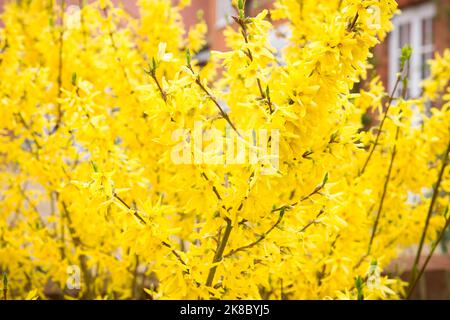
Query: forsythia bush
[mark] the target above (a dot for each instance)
(102, 175)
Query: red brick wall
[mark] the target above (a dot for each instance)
(441, 35)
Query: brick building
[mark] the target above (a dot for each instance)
(424, 24)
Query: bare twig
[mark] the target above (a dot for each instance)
(219, 253)
(352, 25)
(427, 260)
(82, 258)
(214, 189)
(260, 238)
(214, 100)
(264, 95)
(380, 127)
(430, 212)
(315, 191)
(5, 286)
(60, 69)
(135, 212)
(152, 74)
(34, 134)
(314, 221)
(383, 195)
(141, 219)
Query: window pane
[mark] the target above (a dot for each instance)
(404, 39)
(224, 10)
(404, 35)
(425, 68)
(427, 31)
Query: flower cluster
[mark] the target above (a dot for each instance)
(89, 102)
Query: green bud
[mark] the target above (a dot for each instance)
(325, 179)
(94, 166)
(188, 57)
(241, 4)
(405, 56)
(359, 287)
(74, 78)
(153, 68)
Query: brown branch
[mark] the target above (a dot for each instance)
(265, 234)
(214, 189)
(82, 258)
(309, 224)
(175, 253)
(81, 5)
(427, 260)
(141, 219)
(260, 238)
(315, 191)
(321, 274)
(5, 286)
(60, 68)
(214, 100)
(28, 127)
(135, 212)
(380, 128)
(119, 60)
(242, 23)
(152, 74)
(219, 253)
(385, 186)
(430, 210)
(352, 26)
(32, 205)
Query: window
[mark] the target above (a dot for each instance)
(414, 27)
(279, 39)
(224, 10)
(249, 5)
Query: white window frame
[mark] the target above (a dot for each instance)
(279, 38)
(414, 16)
(224, 9)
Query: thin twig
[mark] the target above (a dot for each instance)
(60, 68)
(260, 238)
(82, 258)
(214, 189)
(264, 96)
(135, 213)
(265, 234)
(290, 206)
(141, 219)
(385, 187)
(321, 274)
(153, 76)
(430, 211)
(314, 221)
(380, 127)
(427, 260)
(214, 100)
(32, 205)
(175, 253)
(219, 253)
(5, 286)
(81, 4)
(351, 27)
(28, 127)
